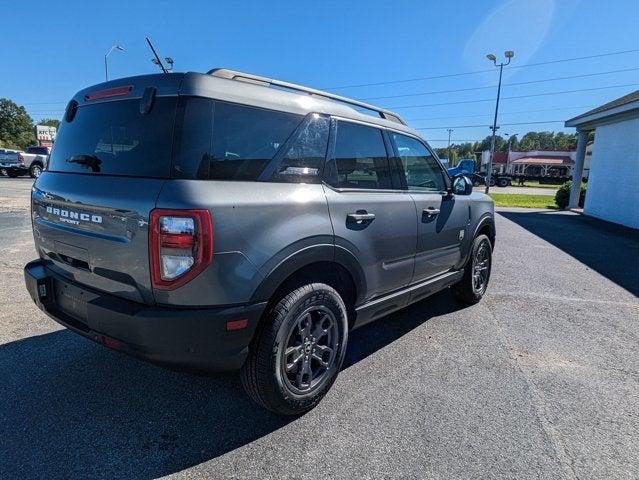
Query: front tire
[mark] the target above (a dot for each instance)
(298, 350)
(472, 287)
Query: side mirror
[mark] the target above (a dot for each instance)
(462, 185)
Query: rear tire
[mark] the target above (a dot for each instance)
(298, 351)
(35, 170)
(472, 287)
(503, 182)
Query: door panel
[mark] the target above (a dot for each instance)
(384, 245)
(373, 221)
(442, 218)
(440, 234)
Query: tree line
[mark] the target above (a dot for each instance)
(17, 130)
(559, 141)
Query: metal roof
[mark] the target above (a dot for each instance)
(623, 105)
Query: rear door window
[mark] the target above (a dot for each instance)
(360, 159)
(114, 138)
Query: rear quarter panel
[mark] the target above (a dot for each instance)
(257, 225)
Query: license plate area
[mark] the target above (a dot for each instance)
(71, 300)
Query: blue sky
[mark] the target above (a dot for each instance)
(50, 51)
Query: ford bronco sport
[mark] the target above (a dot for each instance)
(228, 221)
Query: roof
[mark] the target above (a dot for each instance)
(623, 105)
(238, 91)
(545, 160)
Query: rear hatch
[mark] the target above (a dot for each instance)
(111, 158)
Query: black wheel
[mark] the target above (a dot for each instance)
(298, 351)
(492, 182)
(476, 183)
(473, 285)
(35, 170)
(503, 182)
(13, 174)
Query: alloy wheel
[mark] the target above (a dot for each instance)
(481, 267)
(310, 349)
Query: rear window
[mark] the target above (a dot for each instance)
(114, 138)
(225, 141)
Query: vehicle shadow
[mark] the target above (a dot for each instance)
(70, 408)
(607, 248)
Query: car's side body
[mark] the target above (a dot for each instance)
(409, 243)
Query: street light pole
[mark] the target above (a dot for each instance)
(106, 65)
(450, 160)
(509, 54)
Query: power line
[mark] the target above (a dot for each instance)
(459, 74)
(484, 125)
(504, 113)
(503, 85)
(515, 96)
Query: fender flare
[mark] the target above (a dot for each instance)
(307, 256)
(486, 219)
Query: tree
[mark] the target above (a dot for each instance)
(16, 126)
(500, 144)
(50, 122)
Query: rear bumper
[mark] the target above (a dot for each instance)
(179, 337)
(14, 167)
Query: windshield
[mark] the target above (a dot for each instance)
(114, 138)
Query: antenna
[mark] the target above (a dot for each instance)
(156, 60)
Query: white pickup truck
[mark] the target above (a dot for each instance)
(16, 163)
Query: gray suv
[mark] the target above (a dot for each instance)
(226, 221)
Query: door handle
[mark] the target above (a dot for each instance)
(361, 216)
(430, 211)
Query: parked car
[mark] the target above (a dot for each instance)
(6, 156)
(33, 161)
(233, 222)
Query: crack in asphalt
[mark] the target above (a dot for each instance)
(537, 399)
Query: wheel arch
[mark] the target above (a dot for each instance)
(328, 264)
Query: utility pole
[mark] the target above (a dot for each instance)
(450, 160)
(509, 54)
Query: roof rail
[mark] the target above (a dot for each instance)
(267, 82)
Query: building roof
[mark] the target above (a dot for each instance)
(555, 160)
(623, 105)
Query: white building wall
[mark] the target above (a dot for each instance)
(613, 183)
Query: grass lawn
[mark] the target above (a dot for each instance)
(536, 185)
(523, 200)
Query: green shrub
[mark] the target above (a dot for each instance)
(562, 197)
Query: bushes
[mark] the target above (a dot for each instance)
(563, 195)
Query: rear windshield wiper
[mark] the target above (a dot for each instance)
(89, 161)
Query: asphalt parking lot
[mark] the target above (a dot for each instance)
(540, 380)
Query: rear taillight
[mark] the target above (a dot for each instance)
(181, 246)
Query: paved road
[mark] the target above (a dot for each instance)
(540, 380)
(14, 193)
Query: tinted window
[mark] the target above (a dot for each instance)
(245, 139)
(421, 168)
(360, 157)
(38, 150)
(114, 138)
(194, 133)
(304, 157)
